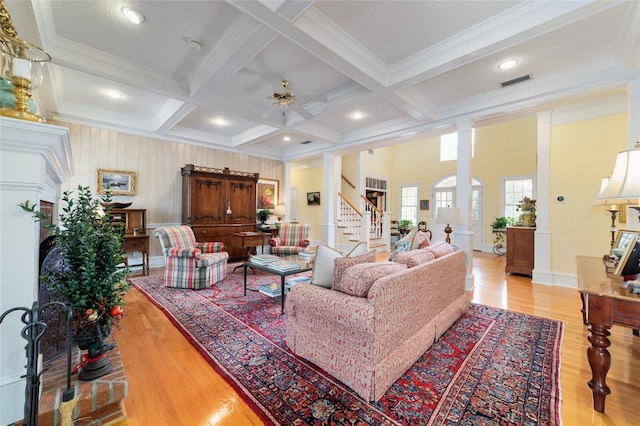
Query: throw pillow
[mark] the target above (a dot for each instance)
(420, 240)
(323, 266)
(341, 264)
(440, 248)
(415, 257)
(358, 279)
(402, 245)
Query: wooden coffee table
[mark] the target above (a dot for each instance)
(305, 265)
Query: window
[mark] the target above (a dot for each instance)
(449, 146)
(514, 190)
(409, 203)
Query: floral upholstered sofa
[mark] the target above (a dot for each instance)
(373, 324)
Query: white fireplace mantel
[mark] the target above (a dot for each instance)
(34, 160)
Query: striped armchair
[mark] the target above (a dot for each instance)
(292, 238)
(190, 264)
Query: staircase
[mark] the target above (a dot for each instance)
(368, 226)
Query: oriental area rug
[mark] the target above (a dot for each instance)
(492, 367)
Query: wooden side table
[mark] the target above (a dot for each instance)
(139, 243)
(248, 241)
(604, 303)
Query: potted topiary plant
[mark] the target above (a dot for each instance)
(263, 215)
(89, 280)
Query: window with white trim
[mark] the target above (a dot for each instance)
(514, 190)
(409, 203)
(449, 146)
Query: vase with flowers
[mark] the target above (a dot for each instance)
(528, 208)
(89, 280)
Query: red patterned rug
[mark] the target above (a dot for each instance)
(492, 367)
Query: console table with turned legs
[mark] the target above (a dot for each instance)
(604, 303)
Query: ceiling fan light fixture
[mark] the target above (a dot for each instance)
(132, 14)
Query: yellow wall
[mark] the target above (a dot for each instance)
(503, 150)
(581, 154)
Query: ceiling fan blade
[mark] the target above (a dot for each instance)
(311, 98)
(303, 112)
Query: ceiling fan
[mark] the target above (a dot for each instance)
(284, 98)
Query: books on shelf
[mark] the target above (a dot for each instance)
(264, 259)
(271, 290)
(284, 266)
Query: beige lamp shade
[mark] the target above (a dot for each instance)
(279, 210)
(623, 186)
(448, 215)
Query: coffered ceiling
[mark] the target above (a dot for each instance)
(413, 68)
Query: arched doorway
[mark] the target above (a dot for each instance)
(444, 195)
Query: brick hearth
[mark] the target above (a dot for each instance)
(101, 400)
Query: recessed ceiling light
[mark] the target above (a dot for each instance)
(508, 64)
(219, 121)
(113, 94)
(132, 14)
(286, 139)
(357, 115)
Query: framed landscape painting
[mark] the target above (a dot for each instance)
(120, 182)
(267, 194)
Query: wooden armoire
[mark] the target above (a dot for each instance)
(216, 203)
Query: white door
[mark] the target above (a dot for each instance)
(444, 195)
(293, 205)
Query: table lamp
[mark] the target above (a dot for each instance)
(448, 215)
(279, 211)
(623, 187)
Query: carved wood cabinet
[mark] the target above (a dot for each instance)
(520, 245)
(217, 203)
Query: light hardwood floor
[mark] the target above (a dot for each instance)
(171, 384)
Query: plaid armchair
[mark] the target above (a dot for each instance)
(190, 264)
(292, 238)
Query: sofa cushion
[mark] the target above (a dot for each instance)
(440, 248)
(342, 264)
(324, 265)
(420, 240)
(415, 257)
(402, 245)
(358, 279)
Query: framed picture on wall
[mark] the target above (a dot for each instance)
(424, 204)
(313, 198)
(120, 182)
(267, 194)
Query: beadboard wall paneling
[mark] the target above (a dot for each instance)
(157, 165)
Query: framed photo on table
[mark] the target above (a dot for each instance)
(267, 194)
(119, 182)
